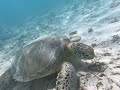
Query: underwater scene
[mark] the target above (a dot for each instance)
(60, 45)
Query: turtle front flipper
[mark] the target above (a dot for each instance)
(67, 78)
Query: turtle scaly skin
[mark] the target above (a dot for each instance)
(67, 78)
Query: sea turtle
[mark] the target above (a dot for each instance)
(50, 55)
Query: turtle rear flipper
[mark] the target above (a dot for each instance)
(67, 79)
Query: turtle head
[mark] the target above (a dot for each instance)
(81, 51)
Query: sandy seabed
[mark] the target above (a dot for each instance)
(100, 73)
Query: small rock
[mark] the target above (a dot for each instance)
(90, 30)
(75, 39)
(107, 54)
(73, 32)
(116, 38)
(112, 62)
(101, 75)
(94, 45)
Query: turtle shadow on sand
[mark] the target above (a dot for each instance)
(45, 83)
(8, 83)
(90, 67)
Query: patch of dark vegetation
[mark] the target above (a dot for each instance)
(116, 38)
(115, 20)
(90, 30)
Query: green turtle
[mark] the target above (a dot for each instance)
(50, 55)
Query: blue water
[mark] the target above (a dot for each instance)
(22, 21)
(16, 10)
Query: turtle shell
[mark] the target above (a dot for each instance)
(36, 57)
